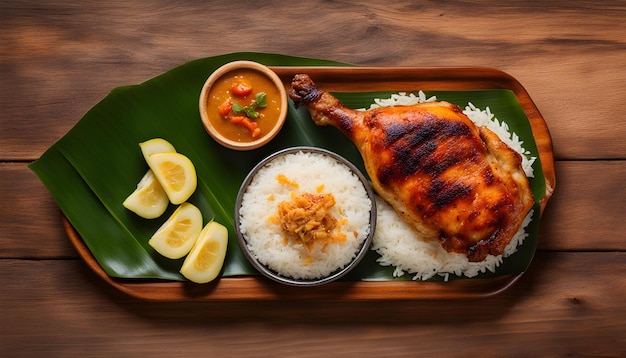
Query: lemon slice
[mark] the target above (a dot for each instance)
(176, 174)
(154, 146)
(179, 233)
(206, 259)
(149, 200)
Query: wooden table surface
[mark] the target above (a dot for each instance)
(58, 59)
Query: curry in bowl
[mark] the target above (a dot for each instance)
(243, 105)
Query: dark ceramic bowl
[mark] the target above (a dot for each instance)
(281, 278)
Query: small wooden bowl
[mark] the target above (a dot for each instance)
(206, 117)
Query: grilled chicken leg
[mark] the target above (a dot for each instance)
(449, 179)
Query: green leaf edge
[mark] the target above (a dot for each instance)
(302, 125)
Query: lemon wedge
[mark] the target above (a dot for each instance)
(206, 259)
(175, 238)
(154, 146)
(149, 200)
(176, 173)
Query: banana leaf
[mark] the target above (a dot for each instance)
(97, 164)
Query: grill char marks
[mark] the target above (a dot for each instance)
(437, 163)
(425, 147)
(443, 194)
(450, 180)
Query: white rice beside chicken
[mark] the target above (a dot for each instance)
(314, 173)
(400, 246)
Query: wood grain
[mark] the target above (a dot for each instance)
(59, 58)
(587, 209)
(259, 288)
(70, 311)
(561, 53)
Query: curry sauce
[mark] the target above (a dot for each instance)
(233, 105)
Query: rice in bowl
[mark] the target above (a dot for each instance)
(281, 178)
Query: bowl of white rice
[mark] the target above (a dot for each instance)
(305, 216)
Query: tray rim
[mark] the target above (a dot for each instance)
(260, 288)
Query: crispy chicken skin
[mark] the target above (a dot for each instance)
(449, 179)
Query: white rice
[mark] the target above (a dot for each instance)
(487, 119)
(266, 240)
(400, 246)
(402, 99)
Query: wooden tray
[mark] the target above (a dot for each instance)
(358, 79)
